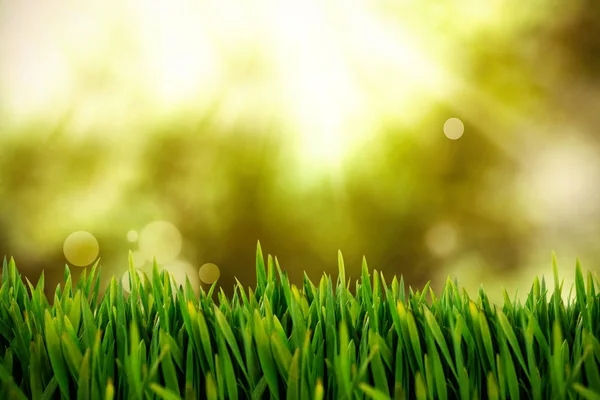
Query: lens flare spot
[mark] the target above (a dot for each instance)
(81, 248)
(132, 236)
(160, 239)
(209, 273)
(454, 128)
(126, 282)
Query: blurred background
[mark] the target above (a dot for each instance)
(436, 137)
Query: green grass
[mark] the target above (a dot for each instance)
(279, 341)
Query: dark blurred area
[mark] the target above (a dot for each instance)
(311, 127)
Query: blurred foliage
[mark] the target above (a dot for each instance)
(523, 78)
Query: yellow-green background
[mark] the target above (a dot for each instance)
(311, 126)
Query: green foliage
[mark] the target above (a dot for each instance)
(281, 341)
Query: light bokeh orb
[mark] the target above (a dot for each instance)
(81, 248)
(160, 239)
(125, 281)
(559, 184)
(454, 128)
(442, 239)
(138, 259)
(132, 236)
(209, 273)
(178, 271)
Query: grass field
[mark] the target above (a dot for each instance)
(369, 339)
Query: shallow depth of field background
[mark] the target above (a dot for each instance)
(311, 126)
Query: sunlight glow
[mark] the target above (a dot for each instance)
(328, 73)
(315, 80)
(34, 78)
(178, 54)
(344, 74)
